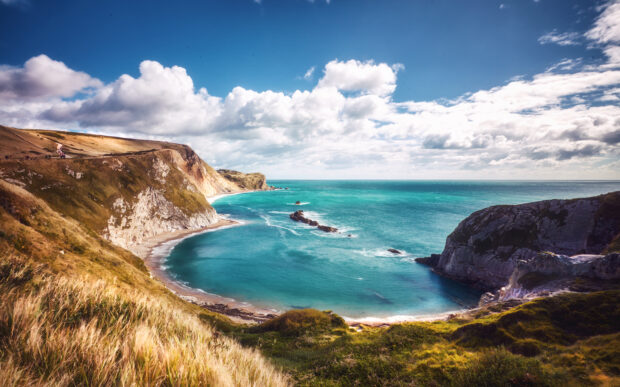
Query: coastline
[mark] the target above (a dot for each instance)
(156, 249)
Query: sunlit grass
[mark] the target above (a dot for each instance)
(70, 332)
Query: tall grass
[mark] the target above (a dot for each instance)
(62, 331)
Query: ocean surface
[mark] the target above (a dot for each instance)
(273, 262)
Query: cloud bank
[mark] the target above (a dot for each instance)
(561, 123)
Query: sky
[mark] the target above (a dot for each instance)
(364, 89)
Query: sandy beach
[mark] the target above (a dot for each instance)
(155, 250)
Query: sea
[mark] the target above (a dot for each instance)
(273, 262)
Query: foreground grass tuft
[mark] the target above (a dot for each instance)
(69, 332)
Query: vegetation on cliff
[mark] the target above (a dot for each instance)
(252, 181)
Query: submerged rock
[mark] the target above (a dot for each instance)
(394, 251)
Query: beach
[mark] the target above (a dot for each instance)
(154, 251)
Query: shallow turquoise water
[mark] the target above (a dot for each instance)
(274, 262)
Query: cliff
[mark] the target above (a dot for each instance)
(124, 190)
(250, 181)
(486, 247)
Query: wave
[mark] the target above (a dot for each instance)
(399, 318)
(384, 253)
(269, 223)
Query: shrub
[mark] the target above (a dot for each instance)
(498, 367)
(300, 321)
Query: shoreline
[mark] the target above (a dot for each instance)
(156, 249)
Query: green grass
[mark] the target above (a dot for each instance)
(570, 339)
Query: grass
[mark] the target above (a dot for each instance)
(83, 332)
(571, 340)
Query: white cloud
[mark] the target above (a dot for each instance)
(42, 78)
(365, 77)
(308, 75)
(158, 102)
(606, 29)
(562, 39)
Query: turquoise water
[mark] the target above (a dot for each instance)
(272, 261)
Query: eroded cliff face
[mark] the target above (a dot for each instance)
(485, 247)
(126, 197)
(548, 272)
(149, 215)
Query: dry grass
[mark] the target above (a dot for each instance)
(61, 331)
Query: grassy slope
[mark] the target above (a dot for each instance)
(74, 309)
(571, 339)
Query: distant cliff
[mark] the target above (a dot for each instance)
(487, 246)
(124, 190)
(250, 181)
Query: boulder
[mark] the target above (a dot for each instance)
(327, 228)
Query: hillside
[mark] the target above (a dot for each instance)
(77, 307)
(124, 190)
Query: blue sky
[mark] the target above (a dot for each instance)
(437, 52)
(448, 48)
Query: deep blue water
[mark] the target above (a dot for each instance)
(272, 261)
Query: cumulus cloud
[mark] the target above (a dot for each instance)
(561, 123)
(42, 78)
(365, 77)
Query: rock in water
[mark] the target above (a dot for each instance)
(394, 251)
(298, 216)
(327, 228)
(298, 202)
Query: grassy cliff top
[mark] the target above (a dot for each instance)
(18, 143)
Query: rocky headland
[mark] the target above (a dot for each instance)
(248, 181)
(522, 251)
